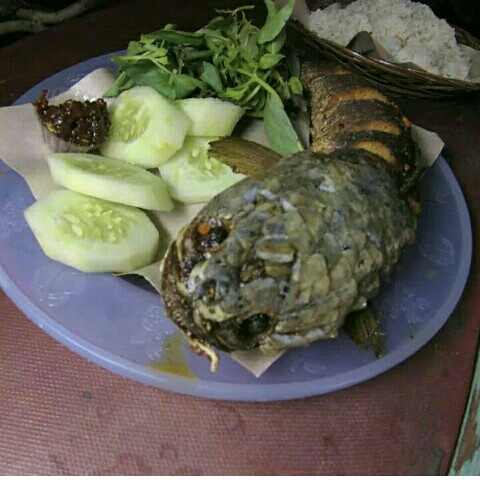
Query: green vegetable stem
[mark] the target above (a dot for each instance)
(230, 59)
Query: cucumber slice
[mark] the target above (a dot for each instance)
(110, 179)
(193, 176)
(92, 235)
(211, 117)
(147, 128)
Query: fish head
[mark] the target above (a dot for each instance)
(214, 285)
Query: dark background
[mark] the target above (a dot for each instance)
(9, 6)
(462, 13)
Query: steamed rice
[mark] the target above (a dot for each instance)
(409, 31)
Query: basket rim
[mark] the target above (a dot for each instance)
(415, 77)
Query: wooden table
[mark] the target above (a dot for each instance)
(61, 414)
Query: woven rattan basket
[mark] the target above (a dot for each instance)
(391, 78)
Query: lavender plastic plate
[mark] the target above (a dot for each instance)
(121, 325)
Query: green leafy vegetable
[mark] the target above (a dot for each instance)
(276, 20)
(281, 136)
(269, 60)
(212, 77)
(169, 34)
(230, 58)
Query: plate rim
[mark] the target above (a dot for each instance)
(242, 391)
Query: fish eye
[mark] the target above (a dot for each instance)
(255, 325)
(207, 291)
(212, 290)
(210, 233)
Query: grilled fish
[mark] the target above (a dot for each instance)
(346, 111)
(278, 261)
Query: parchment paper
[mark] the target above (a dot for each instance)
(22, 147)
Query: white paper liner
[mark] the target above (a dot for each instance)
(23, 149)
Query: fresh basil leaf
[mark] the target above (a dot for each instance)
(143, 74)
(284, 91)
(269, 60)
(293, 64)
(280, 133)
(230, 57)
(217, 24)
(276, 45)
(116, 87)
(215, 43)
(257, 105)
(135, 48)
(185, 85)
(211, 76)
(276, 20)
(243, 37)
(251, 50)
(235, 95)
(177, 37)
(160, 52)
(295, 85)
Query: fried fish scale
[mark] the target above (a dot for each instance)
(326, 227)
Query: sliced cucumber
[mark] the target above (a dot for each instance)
(92, 235)
(147, 128)
(211, 117)
(110, 179)
(193, 176)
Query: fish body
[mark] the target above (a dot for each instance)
(278, 261)
(347, 111)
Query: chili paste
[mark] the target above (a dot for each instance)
(80, 123)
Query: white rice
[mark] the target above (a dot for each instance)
(409, 31)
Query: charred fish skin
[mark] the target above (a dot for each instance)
(278, 262)
(346, 111)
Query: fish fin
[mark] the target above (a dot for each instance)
(363, 327)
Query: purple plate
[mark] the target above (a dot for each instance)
(121, 324)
